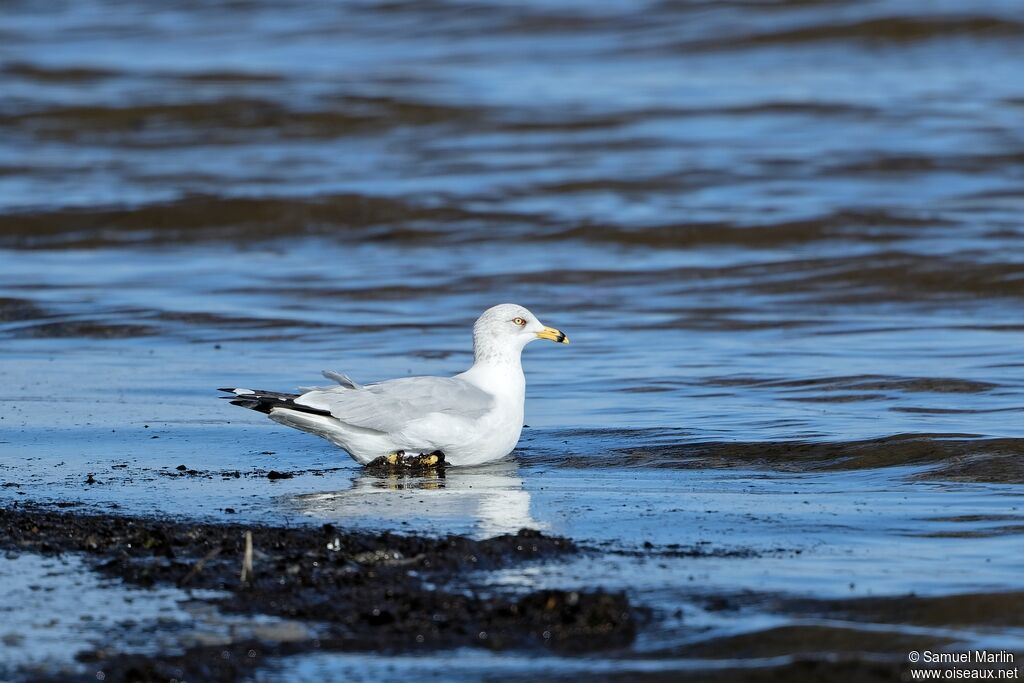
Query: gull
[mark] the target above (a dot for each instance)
(469, 419)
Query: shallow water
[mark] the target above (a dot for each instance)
(779, 234)
(55, 607)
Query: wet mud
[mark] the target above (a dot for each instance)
(335, 592)
(355, 591)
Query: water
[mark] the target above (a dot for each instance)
(763, 224)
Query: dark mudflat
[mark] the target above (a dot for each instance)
(356, 591)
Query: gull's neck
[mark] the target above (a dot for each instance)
(497, 369)
(489, 351)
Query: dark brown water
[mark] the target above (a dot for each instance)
(785, 238)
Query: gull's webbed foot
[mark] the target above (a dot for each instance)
(400, 461)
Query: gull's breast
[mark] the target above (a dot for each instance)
(491, 436)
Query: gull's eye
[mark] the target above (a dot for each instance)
(519, 321)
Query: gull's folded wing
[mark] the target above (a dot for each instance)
(390, 406)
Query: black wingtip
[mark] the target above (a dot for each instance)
(253, 405)
(265, 401)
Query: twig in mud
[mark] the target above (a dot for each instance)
(247, 559)
(198, 566)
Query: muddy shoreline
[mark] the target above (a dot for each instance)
(354, 591)
(325, 590)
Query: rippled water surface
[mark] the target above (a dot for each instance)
(785, 238)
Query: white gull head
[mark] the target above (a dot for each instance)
(503, 331)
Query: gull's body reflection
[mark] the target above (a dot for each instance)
(483, 501)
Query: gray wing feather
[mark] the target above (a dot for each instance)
(342, 379)
(390, 406)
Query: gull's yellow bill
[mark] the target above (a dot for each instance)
(554, 335)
